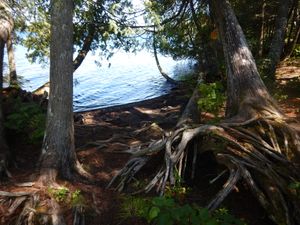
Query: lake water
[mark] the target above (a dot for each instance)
(129, 78)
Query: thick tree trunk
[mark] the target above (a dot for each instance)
(277, 43)
(11, 62)
(4, 153)
(247, 95)
(6, 26)
(58, 153)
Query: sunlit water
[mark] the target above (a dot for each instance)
(129, 78)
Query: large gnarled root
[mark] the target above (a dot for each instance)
(264, 153)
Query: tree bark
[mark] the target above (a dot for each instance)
(294, 31)
(58, 154)
(4, 152)
(277, 42)
(11, 62)
(247, 95)
(262, 30)
(6, 26)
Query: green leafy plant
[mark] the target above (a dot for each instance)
(133, 207)
(27, 119)
(60, 194)
(211, 97)
(178, 191)
(64, 195)
(295, 188)
(166, 211)
(77, 198)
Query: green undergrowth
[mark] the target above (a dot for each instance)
(167, 211)
(28, 120)
(295, 187)
(173, 209)
(212, 98)
(64, 195)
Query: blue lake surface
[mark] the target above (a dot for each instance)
(129, 78)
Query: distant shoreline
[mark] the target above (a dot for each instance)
(175, 93)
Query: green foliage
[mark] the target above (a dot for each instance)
(295, 188)
(27, 119)
(295, 185)
(133, 207)
(280, 96)
(77, 198)
(177, 191)
(60, 194)
(211, 97)
(107, 23)
(64, 195)
(296, 51)
(165, 211)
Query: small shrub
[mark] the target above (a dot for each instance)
(295, 188)
(211, 97)
(77, 198)
(60, 195)
(64, 195)
(133, 207)
(27, 119)
(177, 191)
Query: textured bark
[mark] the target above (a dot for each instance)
(58, 146)
(247, 95)
(262, 30)
(277, 43)
(6, 26)
(6, 22)
(294, 31)
(11, 62)
(4, 153)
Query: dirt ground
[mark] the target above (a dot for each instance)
(103, 137)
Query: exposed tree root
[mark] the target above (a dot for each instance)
(38, 205)
(264, 153)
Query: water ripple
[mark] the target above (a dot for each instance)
(130, 78)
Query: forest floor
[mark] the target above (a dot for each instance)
(103, 135)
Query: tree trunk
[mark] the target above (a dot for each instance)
(294, 31)
(11, 62)
(86, 47)
(4, 153)
(166, 76)
(247, 96)
(277, 43)
(262, 30)
(6, 26)
(58, 155)
(258, 146)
